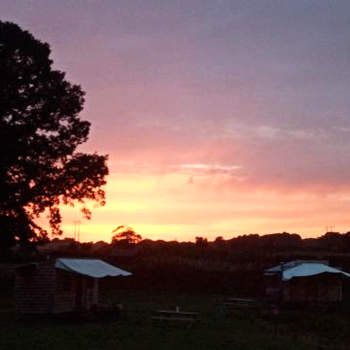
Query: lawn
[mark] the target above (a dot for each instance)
(240, 329)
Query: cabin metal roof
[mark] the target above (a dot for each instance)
(302, 268)
(95, 268)
(310, 269)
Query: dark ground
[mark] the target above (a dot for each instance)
(256, 328)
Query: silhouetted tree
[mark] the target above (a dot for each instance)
(39, 133)
(281, 241)
(201, 242)
(332, 241)
(125, 236)
(219, 242)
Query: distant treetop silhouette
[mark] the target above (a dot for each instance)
(125, 236)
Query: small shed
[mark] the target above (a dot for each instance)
(61, 286)
(304, 281)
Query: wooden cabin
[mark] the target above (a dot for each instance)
(60, 286)
(304, 281)
(322, 288)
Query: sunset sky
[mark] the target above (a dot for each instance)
(219, 117)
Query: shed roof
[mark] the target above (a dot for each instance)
(95, 268)
(310, 269)
(289, 264)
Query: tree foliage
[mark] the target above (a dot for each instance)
(40, 131)
(125, 236)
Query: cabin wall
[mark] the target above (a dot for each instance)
(44, 289)
(74, 292)
(35, 289)
(273, 287)
(93, 298)
(65, 292)
(90, 292)
(313, 289)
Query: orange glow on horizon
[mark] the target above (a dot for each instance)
(170, 207)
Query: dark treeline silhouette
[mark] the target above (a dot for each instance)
(229, 266)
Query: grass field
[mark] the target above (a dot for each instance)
(241, 329)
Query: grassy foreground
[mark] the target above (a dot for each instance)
(243, 329)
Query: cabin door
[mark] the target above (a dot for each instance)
(79, 293)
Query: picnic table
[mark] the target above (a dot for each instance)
(240, 303)
(187, 317)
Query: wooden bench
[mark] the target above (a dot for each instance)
(186, 317)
